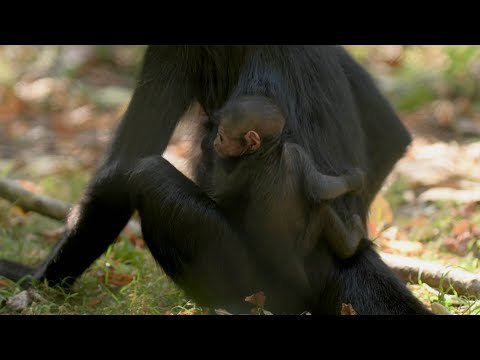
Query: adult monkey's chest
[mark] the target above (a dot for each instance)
(216, 70)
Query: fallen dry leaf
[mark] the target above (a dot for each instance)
(116, 279)
(10, 105)
(95, 302)
(137, 241)
(29, 186)
(190, 312)
(6, 283)
(468, 209)
(54, 234)
(17, 211)
(444, 112)
(417, 222)
(475, 230)
(460, 227)
(187, 312)
(459, 244)
(257, 299)
(347, 309)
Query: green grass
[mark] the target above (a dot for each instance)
(432, 233)
(395, 192)
(22, 238)
(150, 291)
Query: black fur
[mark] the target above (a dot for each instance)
(333, 110)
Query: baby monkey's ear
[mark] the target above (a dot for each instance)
(253, 141)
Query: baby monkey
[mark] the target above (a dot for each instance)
(279, 181)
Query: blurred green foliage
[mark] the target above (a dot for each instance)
(413, 75)
(410, 75)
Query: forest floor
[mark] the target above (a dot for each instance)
(54, 130)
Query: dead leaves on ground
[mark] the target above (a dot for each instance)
(7, 283)
(390, 237)
(114, 278)
(462, 233)
(433, 174)
(347, 309)
(53, 235)
(446, 165)
(10, 104)
(190, 312)
(257, 299)
(134, 238)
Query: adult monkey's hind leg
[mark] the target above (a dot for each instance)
(164, 92)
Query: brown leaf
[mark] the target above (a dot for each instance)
(444, 112)
(191, 312)
(460, 227)
(6, 283)
(137, 241)
(476, 230)
(29, 186)
(18, 212)
(116, 279)
(257, 299)
(95, 302)
(54, 234)
(468, 209)
(459, 244)
(417, 222)
(10, 105)
(347, 309)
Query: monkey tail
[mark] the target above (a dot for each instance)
(15, 271)
(372, 288)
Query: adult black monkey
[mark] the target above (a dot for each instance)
(333, 110)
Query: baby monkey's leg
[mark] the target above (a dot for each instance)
(343, 238)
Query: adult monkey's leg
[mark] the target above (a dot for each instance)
(190, 237)
(163, 93)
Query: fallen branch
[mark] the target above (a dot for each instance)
(434, 275)
(42, 204)
(29, 201)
